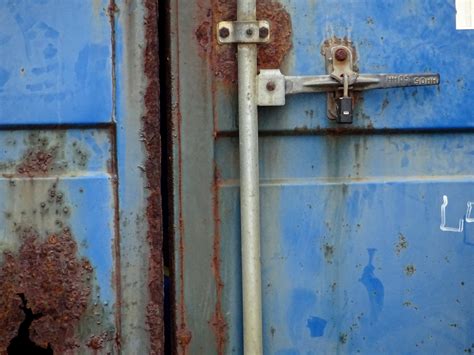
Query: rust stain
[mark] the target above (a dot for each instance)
(152, 141)
(112, 165)
(222, 58)
(271, 55)
(56, 283)
(218, 321)
(45, 154)
(97, 342)
(39, 158)
(36, 162)
(410, 270)
(328, 252)
(337, 41)
(402, 244)
(183, 333)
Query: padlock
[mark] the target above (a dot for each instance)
(344, 104)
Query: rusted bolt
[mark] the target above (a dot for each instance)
(271, 86)
(224, 32)
(341, 54)
(249, 32)
(263, 32)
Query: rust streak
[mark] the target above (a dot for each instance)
(218, 321)
(152, 141)
(112, 167)
(183, 334)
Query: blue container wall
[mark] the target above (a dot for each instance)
(355, 255)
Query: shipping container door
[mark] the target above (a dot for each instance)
(60, 271)
(367, 235)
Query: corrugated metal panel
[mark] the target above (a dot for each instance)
(57, 57)
(353, 257)
(80, 208)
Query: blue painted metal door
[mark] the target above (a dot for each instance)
(367, 234)
(67, 117)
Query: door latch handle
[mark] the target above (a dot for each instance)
(273, 86)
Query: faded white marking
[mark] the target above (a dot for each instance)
(443, 227)
(469, 219)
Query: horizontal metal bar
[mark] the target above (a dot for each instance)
(384, 81)
(325, 83)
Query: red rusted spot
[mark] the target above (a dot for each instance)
(223, 57)
(97, 342)
(184, 337)
(218, 321)
(337, 41)
(36, 162)
(202, 34)
(56, 283)
(271, 55)
(152, 141)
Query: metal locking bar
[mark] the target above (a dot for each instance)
(287, 85)
(273, 86)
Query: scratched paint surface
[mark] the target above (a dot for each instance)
(55, 63)
(367, 235)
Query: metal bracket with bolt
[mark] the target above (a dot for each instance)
(243, 32)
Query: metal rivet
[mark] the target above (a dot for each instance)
(263, 32)
(271, 86)
(224, 32)
(249, 32)
(341, 54)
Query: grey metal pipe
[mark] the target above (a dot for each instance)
(249, 187)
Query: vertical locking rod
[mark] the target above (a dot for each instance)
(249, 187)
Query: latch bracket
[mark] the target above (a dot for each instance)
(243, 32)
(341, 80)
(339, 62)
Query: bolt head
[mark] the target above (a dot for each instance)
(249, 32)
(263, 32)
(224, 32)
(271, 86)
(341, 54)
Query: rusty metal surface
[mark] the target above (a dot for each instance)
(222, 58)
(205, 68)
(49, 253)
(139, 167)
(152, 142)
